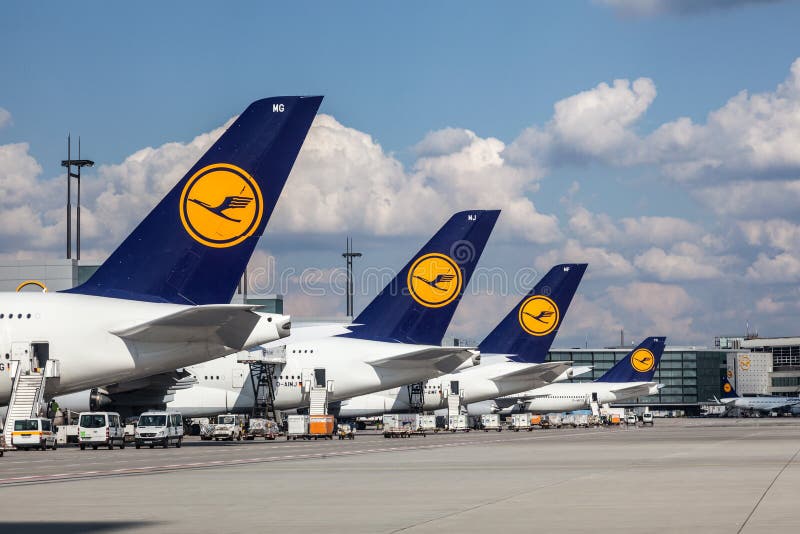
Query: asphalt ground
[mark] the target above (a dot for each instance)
(682, 475)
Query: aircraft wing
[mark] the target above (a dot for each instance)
(228, 325)
(639, 390)
(439, 359)
(540, 374)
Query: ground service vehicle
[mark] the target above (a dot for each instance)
(297, 427)
(262, 428)
(521, 421)
(34, 433)
(159, 428)
(228, 427)
(491, 421)
(647, 419)
(631, 419)
(100, 428)
(346, 431)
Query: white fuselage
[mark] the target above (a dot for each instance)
(578, 395)
(475, 384)
(761, 404)
(76, 332)
(224, 384)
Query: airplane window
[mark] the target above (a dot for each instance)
(19, 316)
(1, 315)
(29, 316)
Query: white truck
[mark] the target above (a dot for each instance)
(228, 427)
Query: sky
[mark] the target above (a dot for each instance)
(657, 140)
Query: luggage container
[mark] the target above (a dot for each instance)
(536, 420)
(458, 423)
(397, 425)
(425, 423)
(297, 427)
(520, 421)
(321, 426)
(491, 421)
(552, 420)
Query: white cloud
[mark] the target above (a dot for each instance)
(593, 124)
(751, 198)
(592, 228)
(649, 8)
(658, 309)
(674, 266)
(659, 230)
(769, 305)
(782, 268)
(777, 233)
(5, 118)
(602, 263)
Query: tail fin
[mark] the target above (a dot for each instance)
(195, 244)
(639, 365)
(727, 389)
(530, 328)
(417, 306)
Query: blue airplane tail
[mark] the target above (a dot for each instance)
(195, 244)
(727, 389)
(639, 365)
(530, 328)
(417, 305)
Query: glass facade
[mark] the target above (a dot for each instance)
(689, 375)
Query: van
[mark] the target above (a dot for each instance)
(647, 418)
(100, 428)
(159, 428)
(34, 433)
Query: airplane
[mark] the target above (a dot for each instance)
(764, 404)
(512, 355)
(395, 340)
(155, 304)
(629, 378)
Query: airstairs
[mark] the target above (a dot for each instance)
(27, 398)
(265, 365)
(318, 401)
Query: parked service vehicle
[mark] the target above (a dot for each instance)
(321, 426)
(100, 428)
(647, 419)
(491, 421)
(521, 421)
(297, 427)
(262, 428)
(346, 431)
(159, 428)
(631, 419)
(458, 423)
(425, 423)
(34, 433)
(228, 427)
(552, 420)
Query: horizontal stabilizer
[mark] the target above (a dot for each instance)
(438, 359)
(229, 325)
(543, 372)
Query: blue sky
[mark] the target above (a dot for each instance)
(130, 76)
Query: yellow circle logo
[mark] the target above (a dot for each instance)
(221, 205)
(434, 280)
(744, 363)
(727, 388)
(642, 360)
(539, 315)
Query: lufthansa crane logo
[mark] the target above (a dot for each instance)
(434, 280)
(221, 205)
(642, 360)
(726, 388)
(539, 315)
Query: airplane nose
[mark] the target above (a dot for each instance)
(285, 327)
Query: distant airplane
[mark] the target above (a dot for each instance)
(156, 304)
(763, 404)
(629, 378)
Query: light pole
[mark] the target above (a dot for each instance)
(348, 256)
(69, 163)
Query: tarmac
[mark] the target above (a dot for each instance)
(682, 475)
